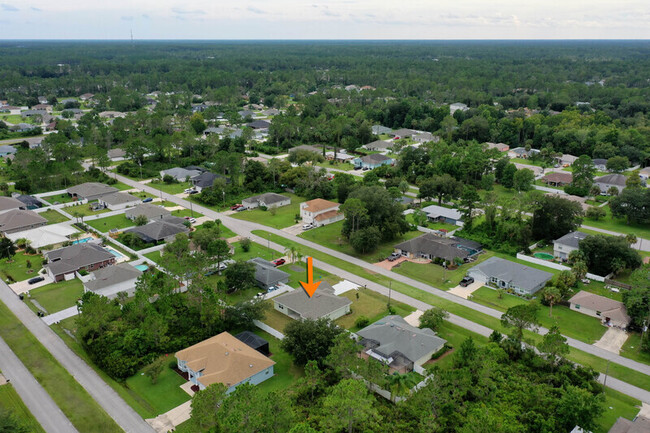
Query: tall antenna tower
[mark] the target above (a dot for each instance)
(131, 36)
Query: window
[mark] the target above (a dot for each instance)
(281, 307)
(577, 306)
(597, 313)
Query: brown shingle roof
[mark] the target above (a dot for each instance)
(318, 204)
(224, 359)
(557, 177)
(327, 215)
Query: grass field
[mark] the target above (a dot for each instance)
(165, 394)
(599, 364)
(17, 269)
(182, 213)
(274, 318)
(53, 217)
(81, 409)
(631, 348)
(619, 225)
(284, 372)
(112, 222)
(170, 188)
(284, 216)
(61, 198)
(58, 296)
(10, 401)
(330, 236)
(337, 165)
(616, 405)
(372, 305)
(84, 210)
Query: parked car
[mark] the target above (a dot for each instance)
(188, 190)
(394, 257)
(236, 206)
(240, 209)
(278, 262)
(147, 200)
(466, 281)
(193, 192)
(35, 280)
(307, 226)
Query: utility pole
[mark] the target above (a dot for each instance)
(390, 290)
(606, 372)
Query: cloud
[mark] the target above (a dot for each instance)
(9, 8)
(145, 16)
(329, 13)
(125, 18)
(256, 10)
(180, 11)
(37, 9)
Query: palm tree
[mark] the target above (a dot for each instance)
(399, 384)
(290, 252)
(631, 239)
(552, 295)
(76, 214)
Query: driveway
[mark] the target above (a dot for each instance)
(169, 420)
(24, 286)
(295, 229)
(413, 319)
(464, 292)
(612, 340)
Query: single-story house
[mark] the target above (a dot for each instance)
(641, 424)
(29, 201)
(308, 148)
(7, 149)
(22, 127)
(505, 274)
(426, 137)
(557, 178)
(521, 152)
(112, 280)
(403, 133)
(86, 96)
(600, 164)
(372, 161)
(246, 113)
(320, 212)
(52, 234)
(17, 220)
(339, 156)
(46, 107)
(259, 124)
(380, 130)
(609, 311)
(206, 180)
(91, 190)
(563, 246)
(323, 304)
(397, 344)
(151, 211)
(214, 130)
(457, 106)
(64, 262)
(442, 214)
(267, 275)
(379, 145)
(644, 173)
(111, 114)
(429, 246)
(271, 112)
(30, 113)
(158, 231)
(179, 173)
(254, 341)
(224, 359)
(118, 200)
(566, 160)
(501, 147)
(9, 203)
(269, 200)
(116, 154)
(610, 180)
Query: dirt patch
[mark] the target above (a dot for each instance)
(443, 356)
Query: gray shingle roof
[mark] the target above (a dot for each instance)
(206, 180)
(72, 258)
(91, 189)
(571, 239)
(157, 231)
(119, 198)
(322, 303)
(10, 203)
(435, 246)
(395, 336)
(111, 275)
(180, 173)
(266, 199)
(435, 211)
(612, 179)
(151, 211)
(516, 274)
(374, 158)
(266, 273)
(15, 219)
(379, 145)
(116, 153)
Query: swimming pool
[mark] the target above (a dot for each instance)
(142, 267)
(81, 241)
(115, 253)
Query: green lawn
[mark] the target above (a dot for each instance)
(337, 165)
(60, 198)
(124, 187)
(371, 305)
(154, 256)
(274, 318)
(330, 236)
(284, 372)
(15, 118)
(170, 188)
(165, 394)
(632, 348)
(526, 162)
(58, 296)
(83, 210)
(17, 269)
(599, 364)
(619, 225)
(182, 213)
(571, 323)
(284, 216)
(112, 222)
(433, 225)
(10, 401)
(225, 232)
(80, 408)
(53, 217)
(616, 405)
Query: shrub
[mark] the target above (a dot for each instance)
(245, 244)
(83, 272)
(361, 322)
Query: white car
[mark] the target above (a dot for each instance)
(188, 190)
(307, 226)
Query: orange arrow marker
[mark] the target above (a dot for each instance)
(310, 287)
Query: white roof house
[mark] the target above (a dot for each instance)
(47, 235)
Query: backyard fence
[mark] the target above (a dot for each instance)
(556, 266)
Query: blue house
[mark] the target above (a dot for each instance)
(224, 359)
(372, 161)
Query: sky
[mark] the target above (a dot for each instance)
(325, 19)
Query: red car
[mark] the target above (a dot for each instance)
(278, 262)
(236, 206)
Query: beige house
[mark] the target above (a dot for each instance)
(320, 212)
(609, 311)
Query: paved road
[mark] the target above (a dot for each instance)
(641, 244)
(245, 228)
(103, 394)
(37, 400)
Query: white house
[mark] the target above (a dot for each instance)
(610, 180)
(112, 280)
(609, 311)
(457, 106)
(320, 212)
(563, 246)
(269, 200)
(118, 200)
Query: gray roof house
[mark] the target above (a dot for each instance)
(323, 304)
(610, 180)
(68, 260)
(7, 149)
(399, 345)
(118, 200)
(116, 154)
(442, 214)
(267, 275)
(379, 145)
(641, 424)
(379, 130)
(206, 180)
(8, 203)
(259, 124)
(373, 160)
(16, 220)
(91, 190)
(563, 246)
(246, 113)
(505, 274)
(28, 201)
(430, 246)
(180, 174)
(151, 211)
(425, 137)
(600, 163)
(403, 133)
(268, 200)
(112, 280)
(158, 231)
(609, 311)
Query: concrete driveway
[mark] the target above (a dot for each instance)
(413, 319)
(169, 420)
(612, 340)
(24, 286)
(464, 292)
(295, 229)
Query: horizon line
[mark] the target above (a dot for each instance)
(128, 39)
